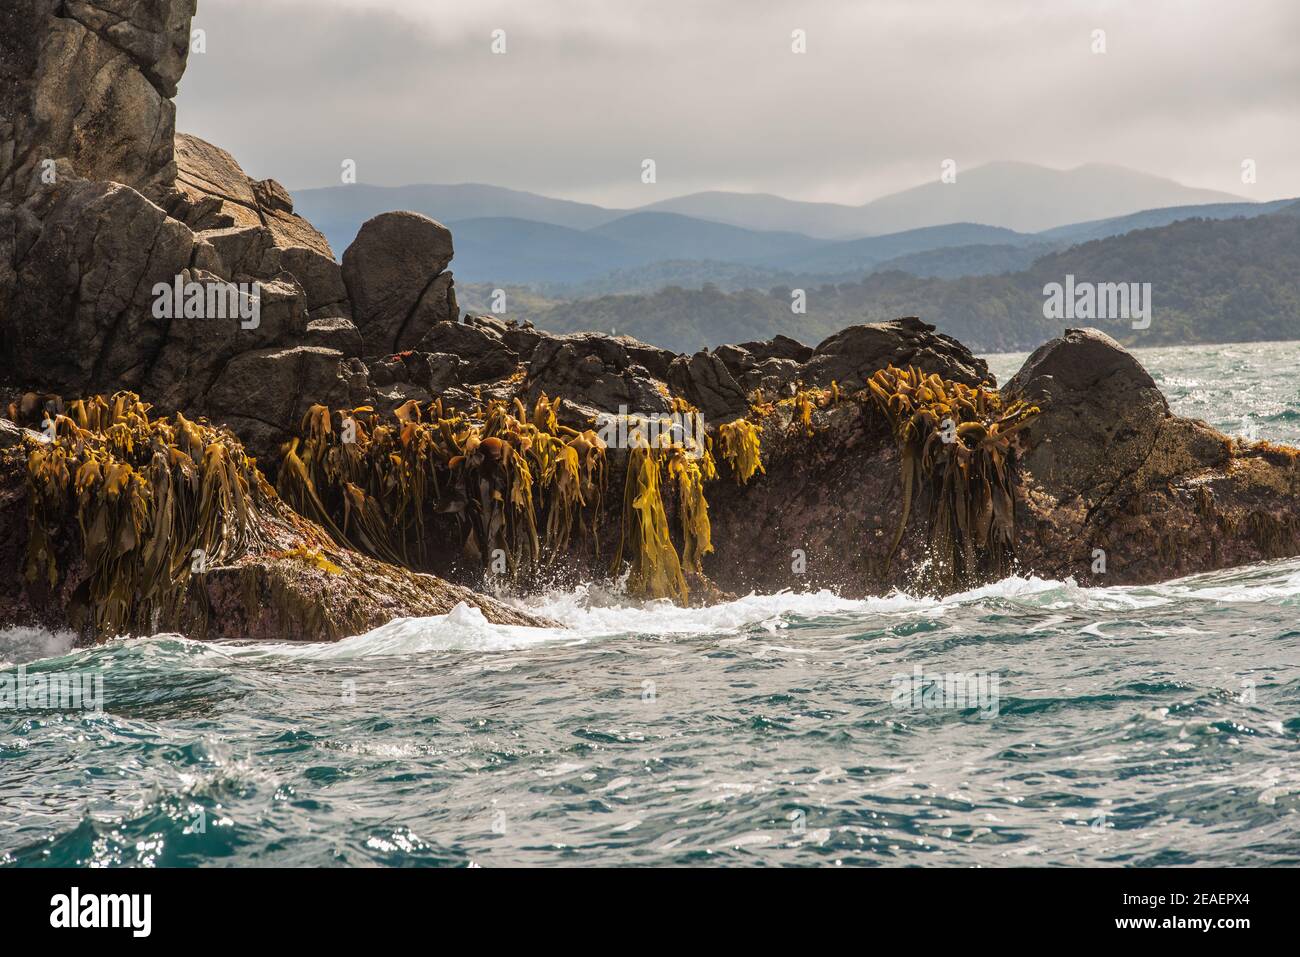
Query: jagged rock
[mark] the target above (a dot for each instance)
(522, 341)
(265, 393)
(244, 250)
(322, 280)
(736, 358)
(78, 305)
(773, 376)
(853, 354)
(394, 274)
(596, 371)
(778, 347)
(435, 372)
(253, 224)
(705, 382)
(483, 351)
(206, 173)
(91, 82)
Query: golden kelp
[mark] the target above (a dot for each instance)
(958, 442)
(432, 482)
(153, 500)
(656, 570)
(740, 446)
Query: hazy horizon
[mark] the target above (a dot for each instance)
(885, 92)
(1240, 196)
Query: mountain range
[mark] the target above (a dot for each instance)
(509, 236)
(1212, 280)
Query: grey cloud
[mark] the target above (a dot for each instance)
(711, 91)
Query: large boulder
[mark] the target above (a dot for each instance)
(595, 371)
(263, 394)
(91, 82)
(708, 385)
(395, 276)
(1093, 395)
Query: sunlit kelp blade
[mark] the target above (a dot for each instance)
(740, 447)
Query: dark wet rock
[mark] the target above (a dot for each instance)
(707, 384)
(853, 354)
(778, 347)
(773, 377)
(394, 274)
(594, 370)
(483, 351)
(737, 359)
(266, 392)
(1094, 395)
(523, 342)
(435, 372)
(386, 372)
(1116, 490)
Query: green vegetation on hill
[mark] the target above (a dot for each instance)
(1211, 281)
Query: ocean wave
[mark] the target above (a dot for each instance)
(590, 613)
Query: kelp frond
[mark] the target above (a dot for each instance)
(740, 446)
(656, 570)
(959, 443)
(152, 499)
(506, 489)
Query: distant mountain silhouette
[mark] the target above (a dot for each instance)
(1017, 196)
(1020, 196)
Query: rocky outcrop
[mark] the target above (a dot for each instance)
(252, 227)
(856, 352)
(296, 584)
(1118, 490)
(1112, 488)
(90, 82)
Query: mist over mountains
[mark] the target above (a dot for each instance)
(970, 256)
(1004, 197)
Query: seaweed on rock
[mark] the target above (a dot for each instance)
(152, 499)
(433, 481)
(958, 443)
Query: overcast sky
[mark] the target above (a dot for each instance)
(710, 89)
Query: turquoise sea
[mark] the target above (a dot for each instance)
(1050, 725)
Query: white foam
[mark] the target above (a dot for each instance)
(589, 613)
(21, 644)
